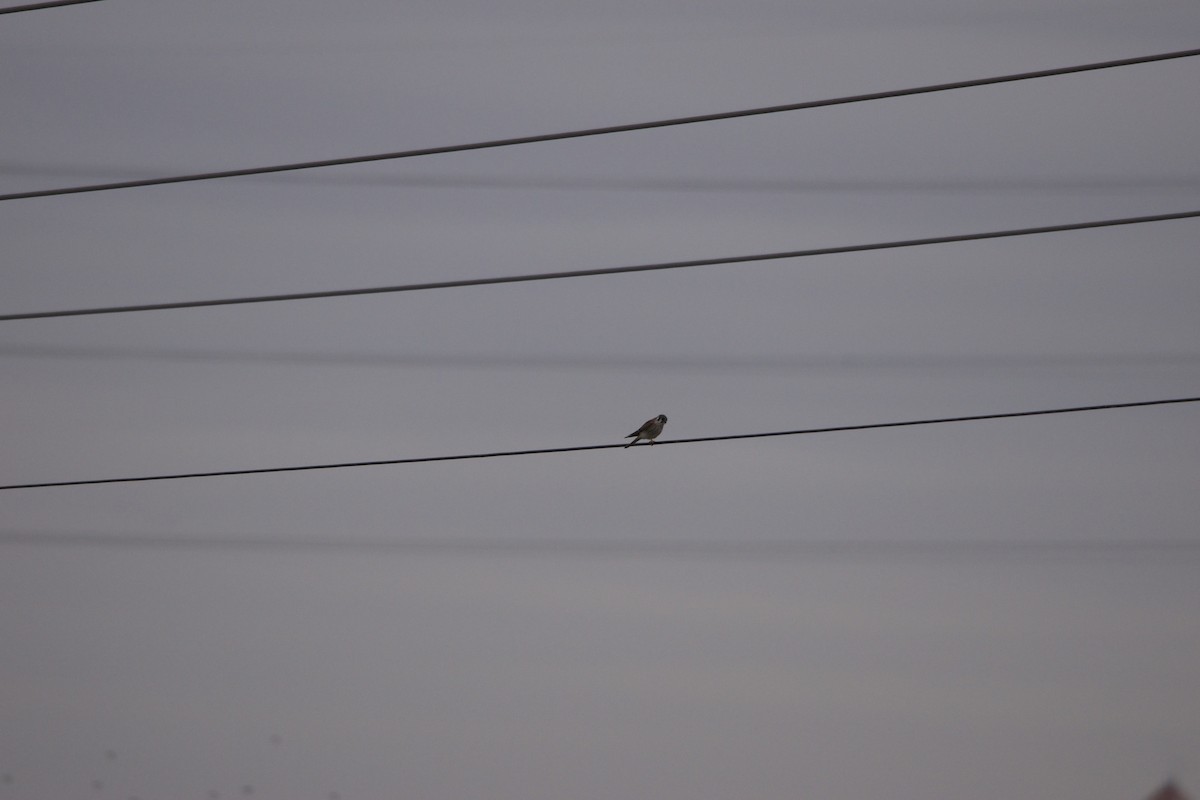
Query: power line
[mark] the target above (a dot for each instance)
(658, 362)
(993, 184)
(585, 273)
(578, 134)
(49, 4)
(835, 549)
(581, 448)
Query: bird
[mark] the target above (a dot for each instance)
(649, 430)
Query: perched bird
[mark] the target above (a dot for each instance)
(648, 431)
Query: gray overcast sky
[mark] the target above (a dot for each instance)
(614, 624)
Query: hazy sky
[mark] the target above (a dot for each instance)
(872, 614)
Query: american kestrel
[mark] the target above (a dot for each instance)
(648, 431)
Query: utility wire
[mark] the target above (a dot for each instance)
(49, 4)
(578, 134)
(580, 448)
(658, 362)
(1179, 181)
(834, 549)
(584, 273)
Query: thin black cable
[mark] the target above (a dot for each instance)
(578, 134)
(580, 448)
(657, 362)
(48, 4)
(1180, 181)
(805, 549)
(585, 273)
